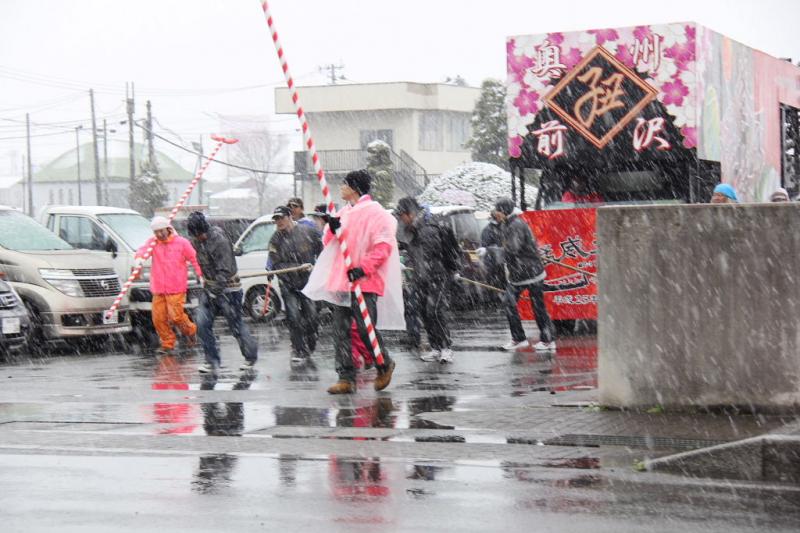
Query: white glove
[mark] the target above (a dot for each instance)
(307, 266)
(202, 281)
(481, 251)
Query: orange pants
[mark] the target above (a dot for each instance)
(167, 312)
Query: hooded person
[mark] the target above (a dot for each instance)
(169, 281)
(525, 271)
(369, 232)
(222, 293)
(434, 254)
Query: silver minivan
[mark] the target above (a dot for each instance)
(66, 291)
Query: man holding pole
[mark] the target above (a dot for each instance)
(222, 294)
(294, 246)
(369, 233)
(168, 282)
(525, 271)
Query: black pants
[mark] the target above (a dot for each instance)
(412, 313)
(543, 322)
(342, 319)
(434, 297)
(301, 315)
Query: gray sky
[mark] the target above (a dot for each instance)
(180, 53)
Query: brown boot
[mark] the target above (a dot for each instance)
(342, 387)
(384, 378)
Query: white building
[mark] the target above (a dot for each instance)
(56, 183)
(426, 126)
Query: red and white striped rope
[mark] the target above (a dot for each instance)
(340, 234)
(152, 242)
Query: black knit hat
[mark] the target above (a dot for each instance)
(359, 181)
(197, 224)
(505, 206)
(407, 205)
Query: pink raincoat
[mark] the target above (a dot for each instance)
(168, 271)
(370, 232)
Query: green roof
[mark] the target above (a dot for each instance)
(64, 167)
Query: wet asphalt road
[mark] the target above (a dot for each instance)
(124, 441)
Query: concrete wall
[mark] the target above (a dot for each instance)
(699, 305)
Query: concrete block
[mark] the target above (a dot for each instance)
(699, 306)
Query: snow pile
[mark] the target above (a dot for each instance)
(477, 185)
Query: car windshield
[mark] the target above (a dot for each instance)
(133, 228)
(21, 233)
(257, 239)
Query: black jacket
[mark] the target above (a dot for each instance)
(520, 251)
(302, 244)
(216, 258)
(433, 250)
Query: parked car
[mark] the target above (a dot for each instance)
(14, 322)
(251, 257)
(120, 232)
(66, 291)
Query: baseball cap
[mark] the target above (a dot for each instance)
(281, 211)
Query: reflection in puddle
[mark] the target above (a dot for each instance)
(214, 473)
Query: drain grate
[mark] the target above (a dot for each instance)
(631, 441)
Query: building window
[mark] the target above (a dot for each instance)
(70, 199)
(367, 136)
(458, 131)
(431, 131)
(790, 149)
(50, 197)
(61, 196)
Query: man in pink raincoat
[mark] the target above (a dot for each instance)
(370, 233)
(168, 281)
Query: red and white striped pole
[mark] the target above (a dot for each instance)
(340, 233)
(152, 242)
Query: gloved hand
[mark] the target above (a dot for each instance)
(481, 251)
(307, 266)
(334, 223)
(202, 281)
(456, 276)
(355, 273)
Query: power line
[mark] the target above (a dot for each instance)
(189, 150)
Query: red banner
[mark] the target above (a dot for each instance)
(566, 236)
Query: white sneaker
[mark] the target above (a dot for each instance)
(545, 346)
(206, 368)
(446, 356)
(431, 356)
(512, 345)
(248, 365)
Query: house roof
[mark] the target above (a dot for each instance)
(64, 167)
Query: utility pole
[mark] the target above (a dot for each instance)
(78, 152)
(105, 163)
(151, 152)
(30, 166)
(97, 191)
(330, 71)
(132, 157)
(198, 146)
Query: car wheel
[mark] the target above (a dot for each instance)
(564, 328)
(254, 303)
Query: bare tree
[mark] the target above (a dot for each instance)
(261, 151)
